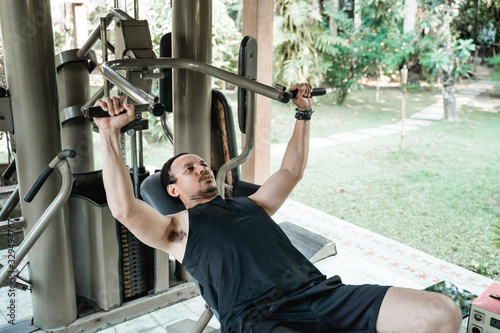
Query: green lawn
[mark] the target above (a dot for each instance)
(359, 111)
(439, 195)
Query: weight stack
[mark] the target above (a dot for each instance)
(136, 265)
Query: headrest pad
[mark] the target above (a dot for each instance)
(153, 193)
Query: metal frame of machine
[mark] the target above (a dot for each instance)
(77, 255)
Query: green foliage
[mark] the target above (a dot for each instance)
(296, 25)
(464, 48)
(435, 59)
(155, 128)
(433, 55)
(378, 46)
(441, 47)
(226, 38)
(380, 36)
(479, 21)
(159, 16)
(463, 54)
(329, 44)
(399, 51)
(338, 56)
(495, 62)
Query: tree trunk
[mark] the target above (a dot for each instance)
(444, 34)
(450, 106)
(331, 22)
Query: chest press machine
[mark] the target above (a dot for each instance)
(112, 270)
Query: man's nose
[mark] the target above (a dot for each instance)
(201, 168)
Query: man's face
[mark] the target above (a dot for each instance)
(195, 180)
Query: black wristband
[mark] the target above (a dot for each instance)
(303, 115)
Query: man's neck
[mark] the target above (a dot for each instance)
(191, 202)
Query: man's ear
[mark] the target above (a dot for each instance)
(172, 190)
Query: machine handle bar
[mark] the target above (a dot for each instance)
(158, 109)
(293, 93)
(97, 112)
(60, 162)
(64, 154)
(10, 170)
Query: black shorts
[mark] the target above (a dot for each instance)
(329, 306)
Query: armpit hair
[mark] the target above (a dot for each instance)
(176, 236)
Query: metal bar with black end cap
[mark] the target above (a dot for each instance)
(60, 162)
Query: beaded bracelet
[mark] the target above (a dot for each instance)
(303, 115)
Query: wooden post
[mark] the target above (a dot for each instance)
(258, 23)
(404, 80)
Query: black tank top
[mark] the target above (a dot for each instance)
(241, 258)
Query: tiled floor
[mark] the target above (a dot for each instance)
(366, 257)
(363, 257)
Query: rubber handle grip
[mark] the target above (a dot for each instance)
(96, 112)
(285, 97)
(62, 155)
(66, 153)
(10, 170)
(38, 184)
(314, 92)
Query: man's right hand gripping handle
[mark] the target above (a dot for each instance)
(116, 120)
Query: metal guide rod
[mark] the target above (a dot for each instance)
(136, 9)
(98, 95)
(141, 153)
(96, 34)
(45, 219)
(119, 81)
(104, 42)
(109, 69)
(10, 205)
(133, 141)
(247, 149)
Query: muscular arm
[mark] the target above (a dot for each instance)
(142, 220)
(273, 193)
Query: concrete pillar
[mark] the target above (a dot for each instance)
(258, 23)
(29, 59)
(192, 39)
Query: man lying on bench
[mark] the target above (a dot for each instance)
(247, 269)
